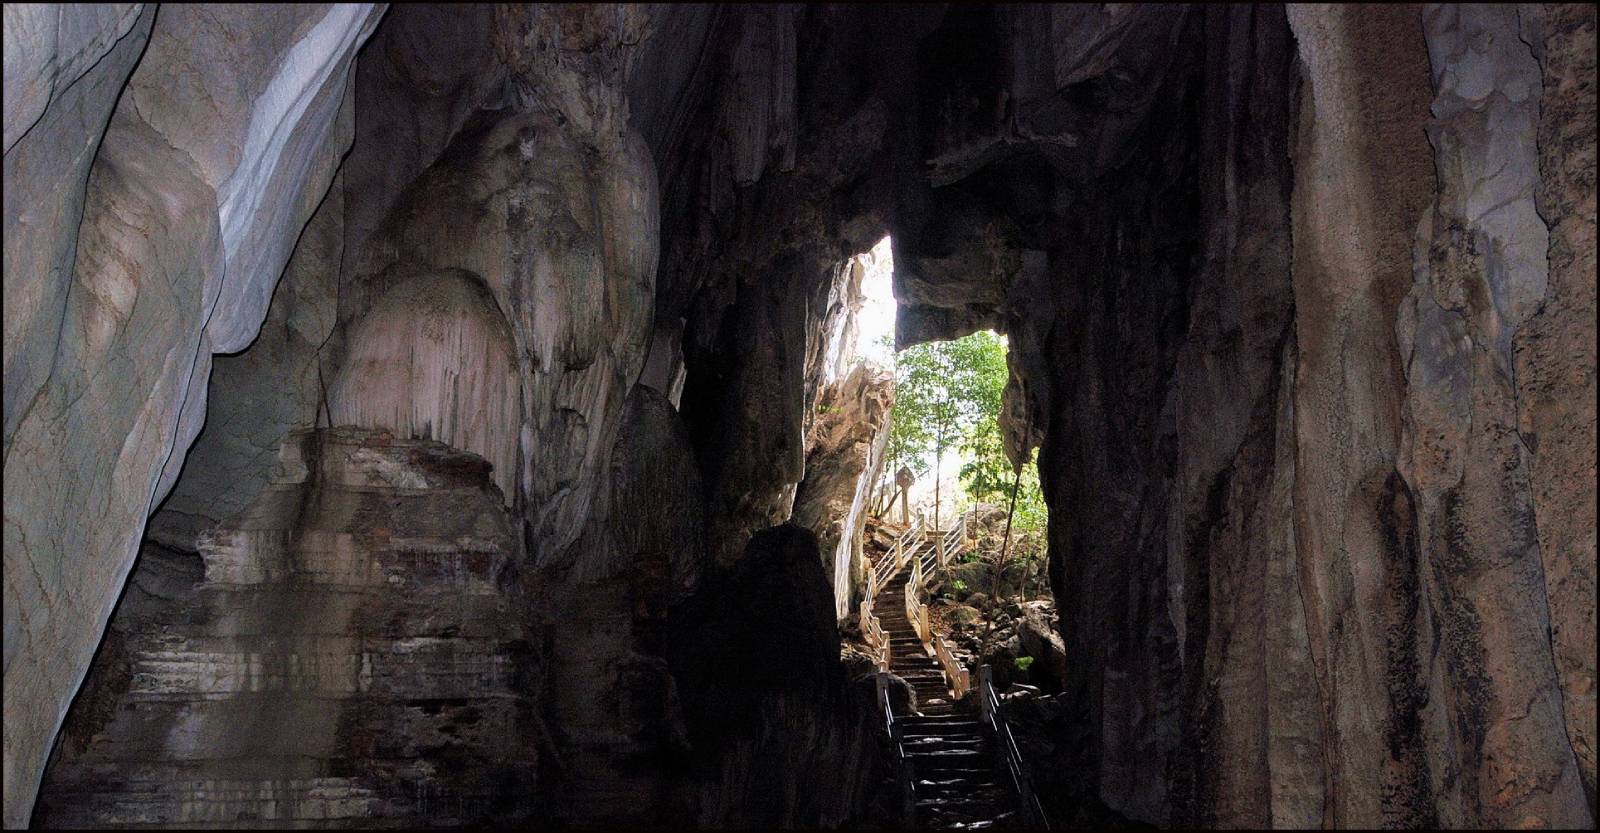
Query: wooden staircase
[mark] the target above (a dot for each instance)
(908, 657)
(960, 763)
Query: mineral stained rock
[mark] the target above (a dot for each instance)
(350, 656)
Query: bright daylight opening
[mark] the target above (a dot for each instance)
(951, 517)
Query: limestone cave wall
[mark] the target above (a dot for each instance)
(1301, 309)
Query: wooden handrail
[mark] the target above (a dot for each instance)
(917, 612)
(960, 681)
(905, 546)
(872, 633)
(990, 712)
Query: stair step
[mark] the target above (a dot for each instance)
(939, 743)
(979, 780)
(941, 730)
(940, 820)
(946, 756)
(989, 804)
(968, 741)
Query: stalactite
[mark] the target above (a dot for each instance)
(433, 360)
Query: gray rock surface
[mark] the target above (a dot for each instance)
(352, 654)
(48, 47)
(46, 170)
(199, 190)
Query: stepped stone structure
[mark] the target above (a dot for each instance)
(351, 653)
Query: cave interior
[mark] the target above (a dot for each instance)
(435, 415)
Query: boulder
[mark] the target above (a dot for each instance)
(1040, 638)
(962, 616)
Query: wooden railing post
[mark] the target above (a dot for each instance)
(984, 687)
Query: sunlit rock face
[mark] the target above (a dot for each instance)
(844, 458)
(352, 653)
(201, 184)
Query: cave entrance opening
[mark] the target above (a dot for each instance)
(946, 492)
(945, 432)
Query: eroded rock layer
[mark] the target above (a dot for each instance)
(349, 655)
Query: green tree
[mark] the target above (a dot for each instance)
(989, 475)
(943, 391)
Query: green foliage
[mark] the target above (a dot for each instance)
(958, 586)
(1022, 663)
(989, 475)
(948, 396)
(942, 390)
